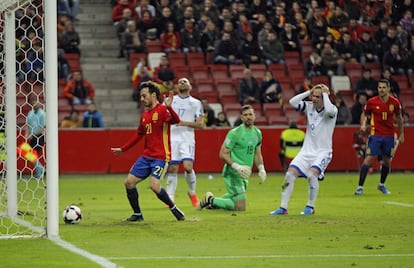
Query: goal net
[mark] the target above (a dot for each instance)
(24, 197)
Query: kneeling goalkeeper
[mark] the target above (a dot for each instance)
(240, 149)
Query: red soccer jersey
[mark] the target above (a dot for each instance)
(382, 115)
(155, 127)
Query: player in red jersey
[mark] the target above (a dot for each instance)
(155, 127)
(383, 110)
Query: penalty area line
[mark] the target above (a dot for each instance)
(259, 257)
(399, 204)
(95, 258)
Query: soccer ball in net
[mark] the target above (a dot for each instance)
(72, 214)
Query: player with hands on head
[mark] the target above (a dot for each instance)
(241, 148)
(191, 113)
(154, 127)
(383, 110)
(316, 152)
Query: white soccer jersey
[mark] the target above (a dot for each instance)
(319, 130)
(188, 109)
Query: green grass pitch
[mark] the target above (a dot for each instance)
(372, 230)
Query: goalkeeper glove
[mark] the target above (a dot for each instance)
(262, 173)
(244, 171)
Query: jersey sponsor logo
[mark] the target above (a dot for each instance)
(155, 117)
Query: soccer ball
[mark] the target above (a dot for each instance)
(72, 214)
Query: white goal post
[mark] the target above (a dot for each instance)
(29, 206)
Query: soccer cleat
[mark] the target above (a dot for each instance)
(194, 199)
(206, 201)
(279, 211)
(308, 210)
(179, 215)
(135, 217)
(383, 189)
(359, 191)
(40, 172)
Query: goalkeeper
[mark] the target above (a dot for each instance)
(240, 149)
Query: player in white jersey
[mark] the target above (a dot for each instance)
(316, 152)
(190, 111)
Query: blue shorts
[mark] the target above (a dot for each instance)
(379, 146)
(145, 167)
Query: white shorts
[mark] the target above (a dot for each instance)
(181, 151)
(303, 162)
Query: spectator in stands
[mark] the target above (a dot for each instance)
(70, 39)
(63, 65)
(209, 118)
(395, 88)
(368, 49)
(164, 74)
(249, 90)
(225, 52)
(209, 9)
(171, 39)
(406, 119)
(250, 50)
(270, 89)
(34, 62)
(407, 21)
(410, 60)
(244, 26)
(121, 27)
(273, 51)
(132, 40)
(333, 63)
(165, 17)
(189, 12)
(393, 60)
(73, 120)
(387, 10)
(353, 9)
(357, 108)
(278, 19)
(117, 10)
(221, 120)
(366, 84)
(368, 14)
(380, 34)
(347, 49)
(147, 25)
(318, 28)
(190, 37)
(290, 38)
(256, 7)
(71, 7)
(79, 90)
(141, 73)
(314, 65)
(402, 37)
(301, 26)
(209, 36)
(389, 40)
(92, 118)
(355, 30)
(145, 5)
(262, 34)
(344, 113)
(229, 27)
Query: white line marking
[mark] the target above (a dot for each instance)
(399, 204)
(95, 258)
(260, 257)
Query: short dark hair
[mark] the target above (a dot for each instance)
(152, 88)
(385, 81)
(246, 107)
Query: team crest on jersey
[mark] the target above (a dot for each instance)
(155, 117)
(391, 108)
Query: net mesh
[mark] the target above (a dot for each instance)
(31, 184)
